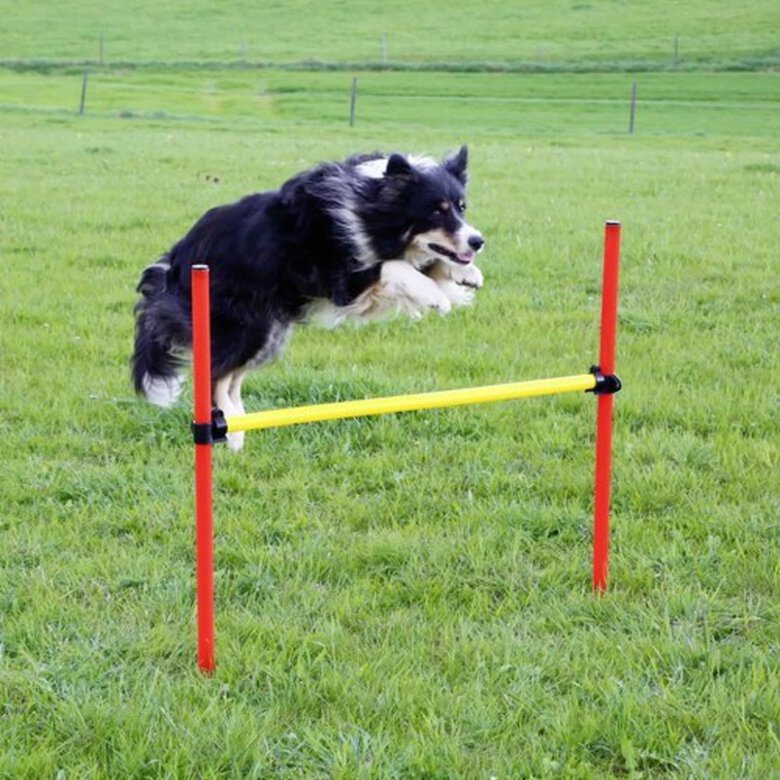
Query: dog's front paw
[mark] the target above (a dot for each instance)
(417, 305)
(430, 298)
(457, 294)
(468, 275)
(412, 291)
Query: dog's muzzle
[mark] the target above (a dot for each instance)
(475, 243)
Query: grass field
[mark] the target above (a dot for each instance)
(685, 104)
(594, 31)
(405, 596)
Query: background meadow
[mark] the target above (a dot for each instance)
(405, 596)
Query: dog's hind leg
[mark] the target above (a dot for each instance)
(223, 401)
(234, 391)
(227, 389)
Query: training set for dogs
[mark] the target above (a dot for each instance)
(349, 240)
(357, 239)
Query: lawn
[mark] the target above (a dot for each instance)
(405, 596)
(404, 32)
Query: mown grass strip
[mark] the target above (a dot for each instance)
(767, 62)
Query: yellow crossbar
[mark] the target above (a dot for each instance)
(296, 415)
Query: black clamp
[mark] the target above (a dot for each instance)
(606, 384)
(213, 432)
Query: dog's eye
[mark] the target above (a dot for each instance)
(461, 206)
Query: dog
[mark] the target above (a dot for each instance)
(352, 240)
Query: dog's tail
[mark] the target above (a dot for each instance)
(162, 336)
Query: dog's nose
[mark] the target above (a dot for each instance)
(476, 242)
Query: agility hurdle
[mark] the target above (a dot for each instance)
(211, 426)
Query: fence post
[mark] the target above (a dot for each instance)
(353, 102)
(633, 109)
(83, 93)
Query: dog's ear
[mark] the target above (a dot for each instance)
(399, 166)
(457, 163)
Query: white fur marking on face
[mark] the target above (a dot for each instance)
(468, 232)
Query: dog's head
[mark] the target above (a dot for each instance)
(432, 197)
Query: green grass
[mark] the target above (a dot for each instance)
(405, 596)
(489, 32)
(669, 104)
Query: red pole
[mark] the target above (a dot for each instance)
(204, 521)
(609, 300)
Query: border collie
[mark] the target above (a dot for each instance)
(351, 240)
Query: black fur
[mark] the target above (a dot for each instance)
(323, 235)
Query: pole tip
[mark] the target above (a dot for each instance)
(200, 267)
(613, 223)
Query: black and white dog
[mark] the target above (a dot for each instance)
(351, 240)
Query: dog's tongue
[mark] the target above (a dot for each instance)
(466, 257)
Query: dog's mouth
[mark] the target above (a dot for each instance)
(464, 258)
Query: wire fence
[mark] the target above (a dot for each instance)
(556, 103)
